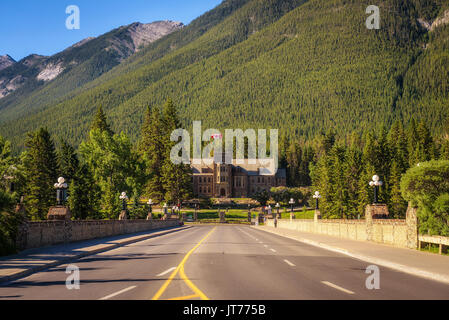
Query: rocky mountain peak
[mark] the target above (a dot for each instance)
(6, 61)
(145, 33)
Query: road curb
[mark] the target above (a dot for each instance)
(30, 271)
(385, 263)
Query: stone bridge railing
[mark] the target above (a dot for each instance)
(51, 232)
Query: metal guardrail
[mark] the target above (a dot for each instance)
(443, 242)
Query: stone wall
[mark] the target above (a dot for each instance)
(47, 233)
(399, 233)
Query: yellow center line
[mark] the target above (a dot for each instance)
(184, 277)
(185, 297)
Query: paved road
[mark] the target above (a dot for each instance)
(223, 262)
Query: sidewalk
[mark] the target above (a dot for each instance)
(418, 263)
(34, 260)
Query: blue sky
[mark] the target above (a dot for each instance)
(30, 26)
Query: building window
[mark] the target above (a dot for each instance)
(201, 190)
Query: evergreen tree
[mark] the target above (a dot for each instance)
(100, 122)
(177, 178)
(396, 204)
(152, 149)
(293, 161)
(426, 149)
(352, 170)
(444, 154)
(67, 161)
(41, 172)
(84, 195)
(412, 143)
(6, 162)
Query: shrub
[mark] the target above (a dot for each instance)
(426, 186)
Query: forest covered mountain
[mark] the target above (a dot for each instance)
(35, 81)
(301, 66)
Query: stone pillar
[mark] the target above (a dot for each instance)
(123, 215)
(374, 211)
(62, 213)
(411, 220)
(59, 213)
(222, 216)
(317, 215)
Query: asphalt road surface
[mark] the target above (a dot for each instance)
(221, 262)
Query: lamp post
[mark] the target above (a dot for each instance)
(150, 209)
(278, 206)
(60, 187)
(165, 208)
(376, 183)
(317, 197)
(291, 202)
(124, 199)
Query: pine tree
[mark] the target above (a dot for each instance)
(68, 162)
(444, 154)
(412, 143)
(152, 149)
(396, 204)
(6, 161)
(293, 161)
(41, 171)
(100, 122)
(352, 170)
(426, 148)
(177, 178)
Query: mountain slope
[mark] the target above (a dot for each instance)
(300, 67)
(71, 68)
(6, 61)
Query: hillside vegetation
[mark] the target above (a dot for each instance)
(301, 66)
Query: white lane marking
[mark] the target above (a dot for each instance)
(117, 293)
(273, 250)
(289, 263)
(327, 283)
(165, 272)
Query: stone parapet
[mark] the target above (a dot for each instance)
(47, 233)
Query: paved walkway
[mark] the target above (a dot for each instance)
(34, 260)
(423, 264)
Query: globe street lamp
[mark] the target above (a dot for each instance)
(60, 187)
(124, 199)
(165, 208)
(291, 202)
(278, 206)
(376, 183)
(317, 197)
(150, 209)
